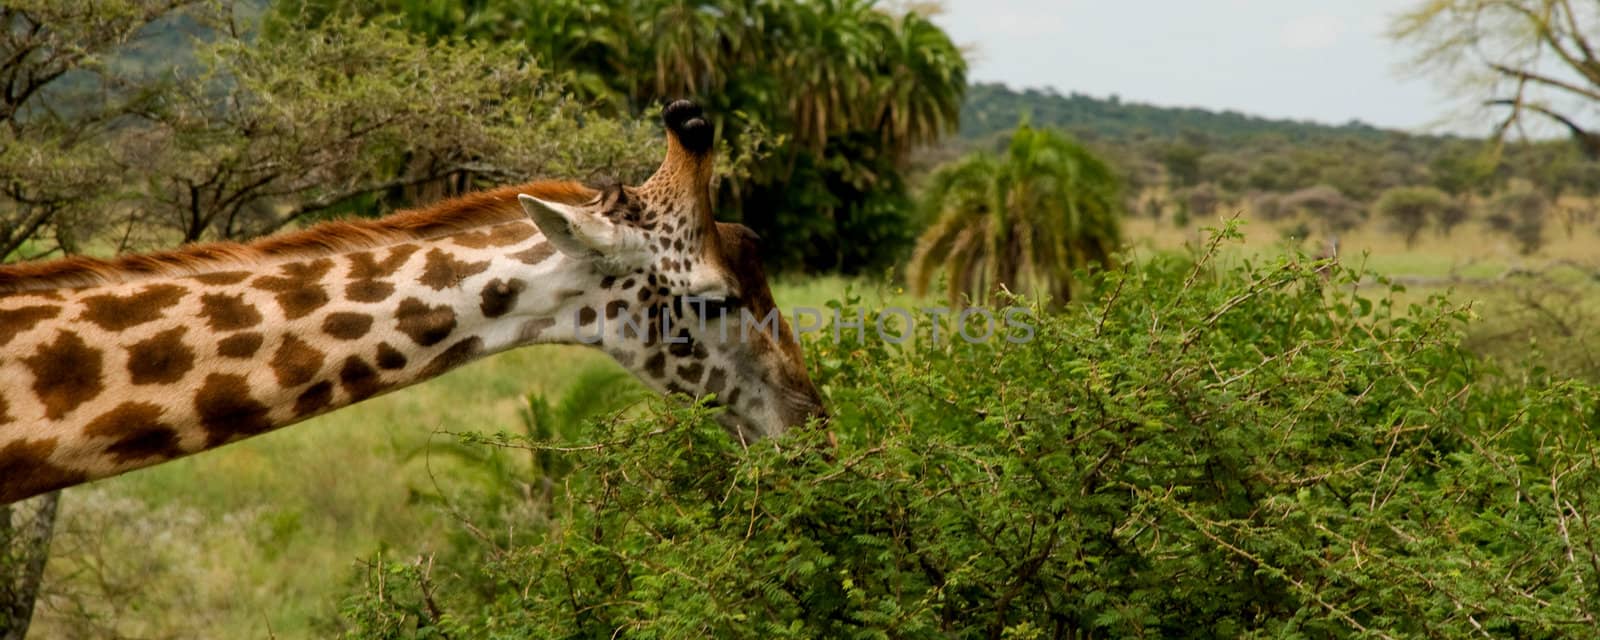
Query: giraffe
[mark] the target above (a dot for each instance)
(112, 365)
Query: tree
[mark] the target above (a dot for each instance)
(1268, 206)
(1520, 212)
(1409, 209)
(1024, 221)
(1182, 160)
(55, 162)
(1326, 206)
(1455, 212)
(1200, 200)
(310, 129)
(1540, 56)
(262, 132)
(26, 529)
(835, 94)
(1461, 170)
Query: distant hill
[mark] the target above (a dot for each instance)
(992, 109)
(1234, 153)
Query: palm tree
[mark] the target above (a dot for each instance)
(918, 94)
(693, 45)
(1024, 221)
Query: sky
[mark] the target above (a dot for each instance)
(1326, 60)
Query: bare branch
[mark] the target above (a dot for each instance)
(1533, 76)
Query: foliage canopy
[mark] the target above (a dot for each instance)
(832, 94)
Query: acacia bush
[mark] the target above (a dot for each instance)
(1520, 213)
(1409, 209)
(1192, 451)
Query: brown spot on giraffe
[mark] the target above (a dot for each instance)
(535, 328)
(367, 273)
(160, 359)
(314, 399)
(5, 412)
(240, 345)
(138, 431)
(656, 365)
(390, 358)
(503, 235)
(359, 379)
(683, 346)
(535, 254)
(298, 291)
(25, 465)
(716, 380)
(15, 321)
(458, 354)
(227, 411)
(443, 271)
(368, 291)
(117, 313)
(228, 312)
(426, 325)
(500, 296)
(296, 362)
(624, 358)
(345, 325)
(366, 266)
(222, 277)
(66, 373)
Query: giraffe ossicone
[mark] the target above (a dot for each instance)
(112, 365)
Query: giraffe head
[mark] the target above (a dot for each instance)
(678, 298)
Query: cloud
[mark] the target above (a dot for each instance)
(1318, 31)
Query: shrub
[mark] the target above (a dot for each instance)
(1409, 209)
(1452, 215)
(1201, 200)
(1268, 206)
(1520, 213)
(1190, 451)
(1328, 206)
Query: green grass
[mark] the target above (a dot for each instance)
(305, 503)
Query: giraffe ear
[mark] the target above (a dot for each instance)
(582, 233)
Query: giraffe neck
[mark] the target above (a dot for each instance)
(110, 378)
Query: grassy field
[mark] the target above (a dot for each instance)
(1471, 252)
(262, 538)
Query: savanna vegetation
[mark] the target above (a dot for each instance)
(1362, 406)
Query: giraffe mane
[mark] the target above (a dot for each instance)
(476, 209)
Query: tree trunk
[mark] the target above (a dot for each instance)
(25, 532)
